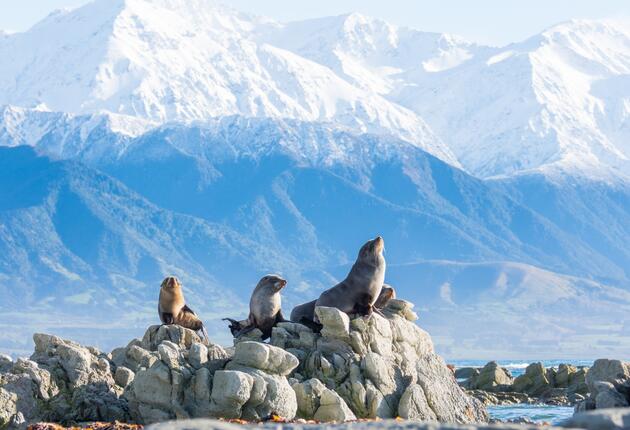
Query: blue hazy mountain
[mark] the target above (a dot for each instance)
(221, 203)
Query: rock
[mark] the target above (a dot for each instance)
(5, 363)
(577, 382)
(123, 376)
(402, 308)
(217, 357)
(466, 372)
(604, 370)
(608, 397)
(333, 408)
(564, 375)
(414, 405)
(78, 365)
(137, 357)
(307, 396)
(336, 324)
(254, 335)
(268, 358)
(587, 404)
(198, 355)
(443, 394)
(604, 419)
(230, 391)
(96, 402)
(491, 377)
(170, 354)
(533, 382)
(501, 398)
(180, 336)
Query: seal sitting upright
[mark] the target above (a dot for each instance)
(264, 308)
(172, 308)
(359, 291)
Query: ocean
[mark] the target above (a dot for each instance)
(537, 413)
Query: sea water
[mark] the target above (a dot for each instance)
(537, 413)
(554, 415)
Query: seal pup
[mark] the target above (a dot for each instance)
(359, 291)
(264, 308)
(172, 307)
(305, 312)
(387, 293)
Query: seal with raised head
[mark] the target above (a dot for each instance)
(264, 308)
(172, 307)
(305, 312)
(359, 291)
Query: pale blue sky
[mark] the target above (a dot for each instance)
(488, 21)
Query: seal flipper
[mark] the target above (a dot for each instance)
(167, 318)
(189, 319)
(235, 326)
(280, 318)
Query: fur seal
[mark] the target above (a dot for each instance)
(387, 293)
(305, 312)
(172, 307)
(264, 308)
(359, 291)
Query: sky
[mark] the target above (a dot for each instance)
(495, 22)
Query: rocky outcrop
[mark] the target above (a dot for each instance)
(608, 383)
(491, 378)
(493, 385)
(62, 381)
(379, 366)
(355, 368)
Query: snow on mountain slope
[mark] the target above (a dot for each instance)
(558, 101)
(555, 102)
(173, 60)
(370, 52)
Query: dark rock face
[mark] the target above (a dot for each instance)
(362, 367)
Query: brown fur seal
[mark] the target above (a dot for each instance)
(172, 307)
(264, 308)
(359, 291)
(306, 311)
(387, 293)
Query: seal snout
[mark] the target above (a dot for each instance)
(280, 284)
(170, 282)
(379, 244)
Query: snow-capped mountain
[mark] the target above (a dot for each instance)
(176, 60)
(557, 101)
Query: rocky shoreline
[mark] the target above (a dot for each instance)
(375, 367)
(355, 369)
(495, 385)
(604, 385)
